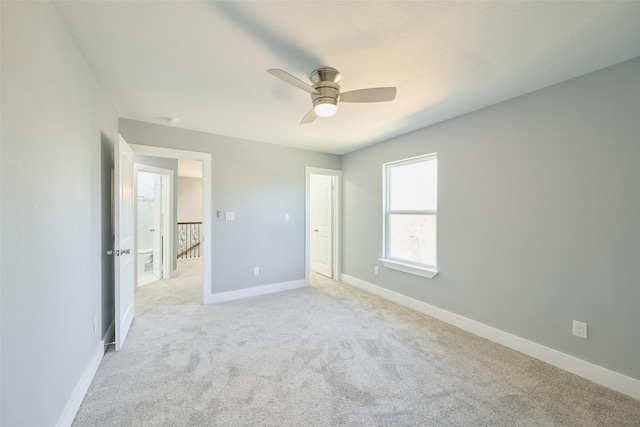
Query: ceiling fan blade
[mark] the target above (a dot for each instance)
(309, 117)
(374, 94)
(294, 81)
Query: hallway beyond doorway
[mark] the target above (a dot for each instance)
(185, 288)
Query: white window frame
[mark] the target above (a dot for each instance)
(423, 270)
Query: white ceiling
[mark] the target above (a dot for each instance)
(205, 62)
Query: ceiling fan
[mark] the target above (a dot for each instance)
(325, 92)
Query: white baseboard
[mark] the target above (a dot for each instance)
(252, 292)
(598, 374)
(73, 405)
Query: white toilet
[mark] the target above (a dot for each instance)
(145, 260)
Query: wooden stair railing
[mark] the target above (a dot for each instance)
(186, 251)
(189, 238)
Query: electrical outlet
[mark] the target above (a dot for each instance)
(376, 270)
(256, 271)
(580, 329)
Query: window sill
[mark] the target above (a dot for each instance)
(408, 268)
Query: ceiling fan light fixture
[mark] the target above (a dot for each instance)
(325, 109)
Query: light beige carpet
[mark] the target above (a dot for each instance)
(325, 355)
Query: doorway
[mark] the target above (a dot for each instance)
(153, 219)
(323, 222)
(205, 241)
(189, 209)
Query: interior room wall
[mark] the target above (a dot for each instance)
(259, 182)
(189, 199)
(57, 133)
(538, 216)
(172, 165)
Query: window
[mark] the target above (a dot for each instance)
(410, 211)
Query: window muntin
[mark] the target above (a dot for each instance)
(410, 211)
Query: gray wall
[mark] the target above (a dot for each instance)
(539, 216)
(259, 182)
(170, 164)
(189, 199)
(57, 138)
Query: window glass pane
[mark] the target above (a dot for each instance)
(412, 238)
(413, 186)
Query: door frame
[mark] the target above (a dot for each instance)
(336, 207)
(168, 244)
(173, 153)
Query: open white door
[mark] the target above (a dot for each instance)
(324, 228)
(157, 230)
(124, 239)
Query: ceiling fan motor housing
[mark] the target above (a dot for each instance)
(326, 74)
(329, 93)
(325, 81)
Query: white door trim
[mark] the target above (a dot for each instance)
(172, 153)
(337, 218)
(168, 244)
